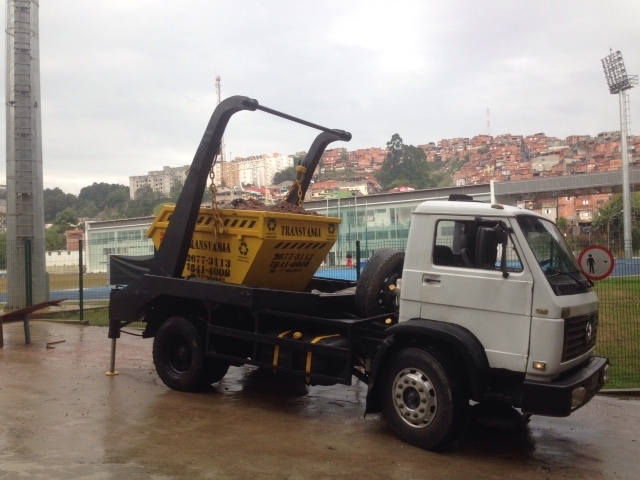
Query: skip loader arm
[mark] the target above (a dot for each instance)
(129, 303)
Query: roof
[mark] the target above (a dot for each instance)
(472, 209)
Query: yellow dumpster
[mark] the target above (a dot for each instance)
(255, 248)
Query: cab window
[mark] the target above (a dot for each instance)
(475, 244)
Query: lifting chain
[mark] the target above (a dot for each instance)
(217, 220)
(297, 184)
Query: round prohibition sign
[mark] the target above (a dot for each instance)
(596, 262)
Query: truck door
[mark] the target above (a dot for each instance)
(466, 286)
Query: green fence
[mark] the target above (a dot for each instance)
(84, 283)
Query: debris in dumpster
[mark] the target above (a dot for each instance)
(253, 204)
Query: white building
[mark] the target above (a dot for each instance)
(62, 261)
(254, 170)
(163, 180)
(127, 236)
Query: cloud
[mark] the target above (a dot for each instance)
(129, 87)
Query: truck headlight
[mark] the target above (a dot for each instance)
(606, 374)
(577, 396)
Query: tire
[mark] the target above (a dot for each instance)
(421, 401)
(178, 354)
(214, 370)
(373, 295)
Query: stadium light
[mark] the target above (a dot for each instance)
(619, 82)
(616, 73)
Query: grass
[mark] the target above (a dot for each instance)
(65, 281)
(619, 329)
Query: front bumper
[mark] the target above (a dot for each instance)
(563, 396)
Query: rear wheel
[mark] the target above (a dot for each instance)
(374, 291)
(178, 354)
(214, 370)
(421, 402)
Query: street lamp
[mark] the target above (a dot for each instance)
(619, 82)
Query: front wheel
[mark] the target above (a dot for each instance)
(421, 401)
(178, 354)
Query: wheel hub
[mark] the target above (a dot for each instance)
(414, 398)
(179, 356)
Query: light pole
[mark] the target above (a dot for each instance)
(619, 82)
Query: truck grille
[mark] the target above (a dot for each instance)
(579, 335)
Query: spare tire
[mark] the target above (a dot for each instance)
(373, 295)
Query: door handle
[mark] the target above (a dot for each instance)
(431, 280)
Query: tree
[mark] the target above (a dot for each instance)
(118, 198)
(176, 190)
(609, 220)
(55, 200)
(562, 224)
(54, 238)
(66, 219)
(87, 210)
(145, 202)
(404, 162)
(288, 174)
(98, 193)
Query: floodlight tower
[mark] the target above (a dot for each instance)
(26, 272)
(619, 82)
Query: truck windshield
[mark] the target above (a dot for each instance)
(554, 256)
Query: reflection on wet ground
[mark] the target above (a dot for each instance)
(62, 418)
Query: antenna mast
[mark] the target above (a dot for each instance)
(488, 123)
(221, 154)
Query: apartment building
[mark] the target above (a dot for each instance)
(159, 180)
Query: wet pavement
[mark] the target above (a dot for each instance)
(61, 417)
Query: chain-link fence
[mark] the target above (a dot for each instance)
(619, 313)
(52, 284)
(84, 284)
(619, 296)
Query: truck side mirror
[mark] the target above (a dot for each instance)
(487, 247)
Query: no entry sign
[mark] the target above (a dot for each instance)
(596, 262)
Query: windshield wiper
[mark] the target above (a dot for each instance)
(571, 274)
(552, 272)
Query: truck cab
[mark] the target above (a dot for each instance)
(506, 280)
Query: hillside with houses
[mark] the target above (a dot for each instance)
(483, 158)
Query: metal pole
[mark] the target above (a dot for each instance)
(28, 280)
(80, 280)
(626, 194)
(112, 369)
(366, 232)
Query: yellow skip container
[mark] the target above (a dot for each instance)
(255, 248)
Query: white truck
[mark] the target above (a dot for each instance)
(487, 305)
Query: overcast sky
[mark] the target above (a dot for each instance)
(128, 86)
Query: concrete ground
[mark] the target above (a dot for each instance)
(61, 417)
